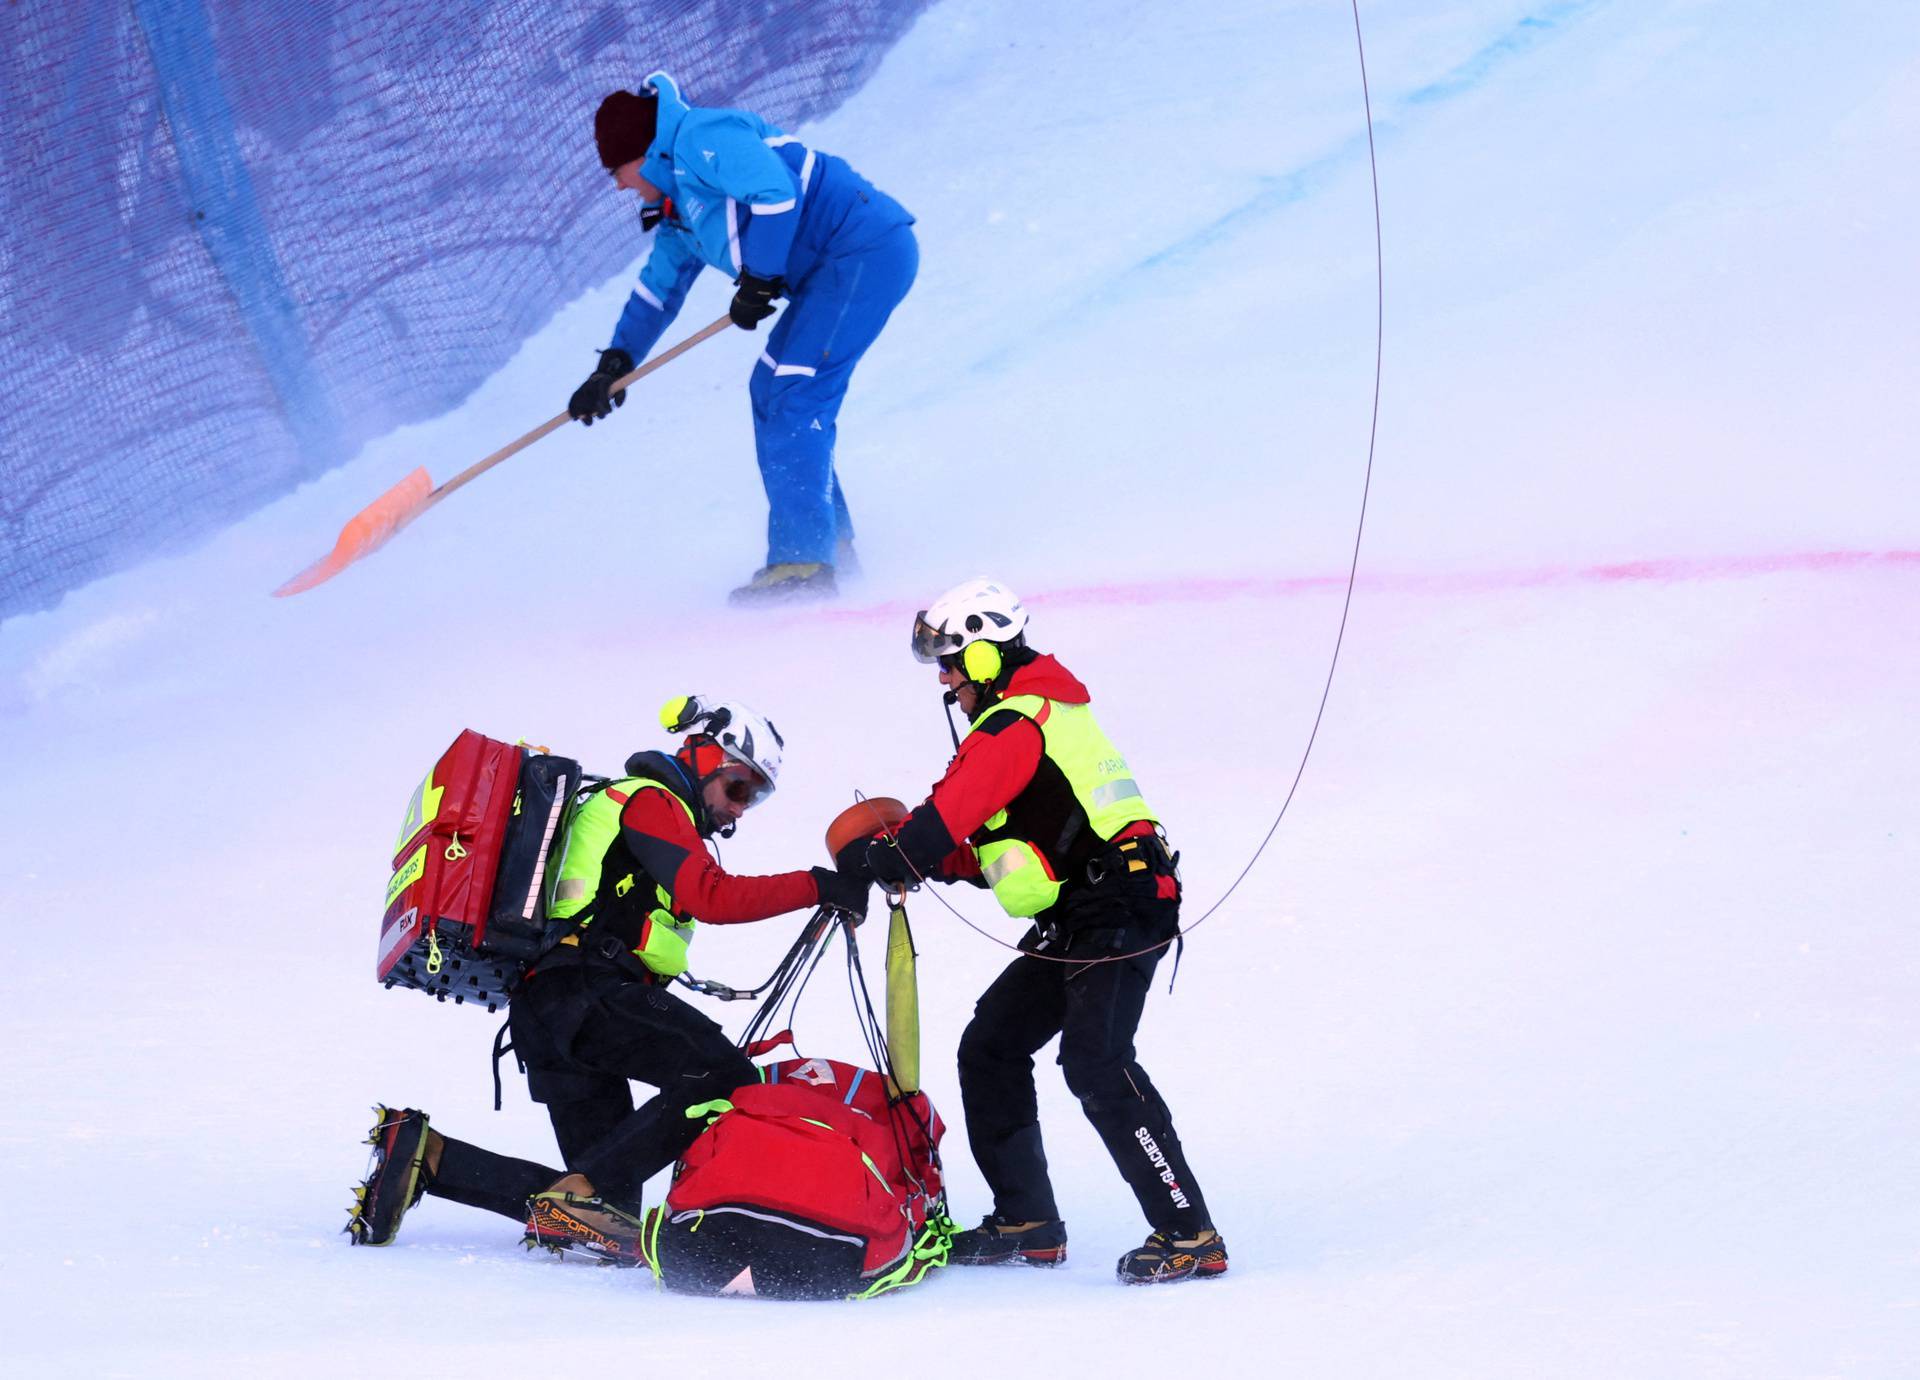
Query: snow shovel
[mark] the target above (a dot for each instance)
(369, 529)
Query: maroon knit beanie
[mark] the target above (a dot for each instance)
(623, 127)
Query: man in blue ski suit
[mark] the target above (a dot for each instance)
(725, 188)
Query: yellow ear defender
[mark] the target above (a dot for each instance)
(981, 661)
(678, 713)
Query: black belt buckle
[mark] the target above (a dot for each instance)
(609, 947)
(1102, 865)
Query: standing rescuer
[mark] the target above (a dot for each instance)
(725, 189)
(1039, 805)
(632, 877)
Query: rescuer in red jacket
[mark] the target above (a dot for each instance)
(633, 877)
(1040, 805)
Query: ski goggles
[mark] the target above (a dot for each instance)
(931, 644)
(745, 789)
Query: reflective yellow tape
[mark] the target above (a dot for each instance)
(1007, 863)
(1114, 792)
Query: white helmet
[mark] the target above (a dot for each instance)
(744, 734)
(978, 611)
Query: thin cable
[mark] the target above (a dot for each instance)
(793, 1006)
(1353, 568)
(814, 938)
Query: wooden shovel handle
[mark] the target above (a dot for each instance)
(480, 467)
(370, 529)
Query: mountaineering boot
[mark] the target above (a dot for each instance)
(788, 582)
(996, 1241)
(1163, 1260)
(403, 1148)
(563, 1222)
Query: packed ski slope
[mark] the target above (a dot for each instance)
(1567, 1025)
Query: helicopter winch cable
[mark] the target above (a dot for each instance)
(1353, 569)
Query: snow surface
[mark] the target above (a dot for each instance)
(1568, 1026)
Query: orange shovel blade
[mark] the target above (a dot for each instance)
(366, 531)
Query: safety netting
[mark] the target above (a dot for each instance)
(243, 237)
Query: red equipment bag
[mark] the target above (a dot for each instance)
(464, 912)
(812, 1184)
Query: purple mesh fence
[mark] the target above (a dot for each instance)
(242, 237)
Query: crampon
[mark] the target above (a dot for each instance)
(568, 1224)
(395, 1181)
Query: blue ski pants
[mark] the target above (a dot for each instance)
(833, 314)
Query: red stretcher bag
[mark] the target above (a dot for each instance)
(813, 1184)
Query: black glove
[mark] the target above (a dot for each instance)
(852, 860)
(593, 398)
(844, 893)
(753, 302)
(886, 864)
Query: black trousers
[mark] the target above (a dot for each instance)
(1094, 1007)
(479, 1178)
(584, 1030)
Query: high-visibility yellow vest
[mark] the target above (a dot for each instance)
(1021, 874)
(580, 888)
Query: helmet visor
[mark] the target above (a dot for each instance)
(744, 787)
(930, 643)
(741, 768)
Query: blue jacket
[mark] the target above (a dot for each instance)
(745, 198)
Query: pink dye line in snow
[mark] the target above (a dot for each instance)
(1206, 589)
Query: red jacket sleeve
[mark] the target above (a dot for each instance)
(661, 836)
(994, 764)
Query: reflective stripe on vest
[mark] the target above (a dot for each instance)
(593, 827)
(1100, 780)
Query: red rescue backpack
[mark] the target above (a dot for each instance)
(465, 913)
(810, 1185)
